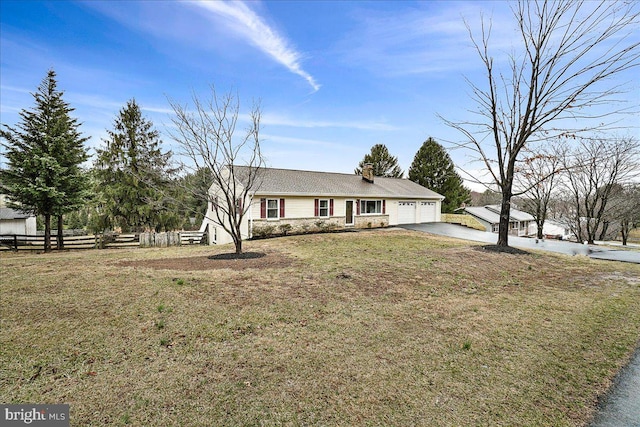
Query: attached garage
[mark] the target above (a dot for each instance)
(406, 212)
(428, 212)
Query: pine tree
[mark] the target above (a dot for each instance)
(384, 164)
(432, 168)
(44, 153)
(134, 174)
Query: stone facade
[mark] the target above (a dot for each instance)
(264, 227)
(371, 221)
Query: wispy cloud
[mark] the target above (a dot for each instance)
(247, 23)
(280, 120)
(421, 40)
(299, 142)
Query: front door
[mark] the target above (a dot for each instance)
(349, 213)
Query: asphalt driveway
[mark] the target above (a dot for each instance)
(563, 247)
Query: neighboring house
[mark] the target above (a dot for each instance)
(305, 200)
(553, 230)
(17, 222)
(520, 223)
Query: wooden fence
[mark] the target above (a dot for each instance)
(103, 241)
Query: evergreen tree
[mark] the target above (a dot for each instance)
(384, 164)
(44, 153)
(134, 174)
(432, 168)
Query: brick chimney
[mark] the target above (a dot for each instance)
(367, 172)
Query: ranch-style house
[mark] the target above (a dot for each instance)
(520, 223)
(307, 200)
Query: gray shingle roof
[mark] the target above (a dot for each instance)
(491, 213)
(288, 182)
(8, 213)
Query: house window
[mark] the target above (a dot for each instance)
(272, 209)
(514, 225)
(370, 207)
(323, 207)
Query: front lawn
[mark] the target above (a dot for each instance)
(379, 327)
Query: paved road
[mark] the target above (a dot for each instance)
(563, 247)
(621, 407)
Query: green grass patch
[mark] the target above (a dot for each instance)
(374, 328)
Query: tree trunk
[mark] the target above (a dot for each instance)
(503, 229)
(47, 232)
(237, 239)
(60, 240)
(625, 227)
(605, 228)
(540, 225)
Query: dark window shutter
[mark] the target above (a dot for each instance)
(358, 207)
(263, 208)
(316, 211)
(384, 207)
(281, 208)
(330, 207)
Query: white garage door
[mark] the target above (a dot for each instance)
(406, 212)
(427, 211)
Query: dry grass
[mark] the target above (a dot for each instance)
(373, 328)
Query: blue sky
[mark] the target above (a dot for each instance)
(334, 78)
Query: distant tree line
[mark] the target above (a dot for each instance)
(590, 185)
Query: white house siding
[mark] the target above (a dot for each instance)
(23, 226)
(488, 225)
(294, 207)
(298, 210)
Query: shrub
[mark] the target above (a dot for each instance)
(263, 231)
(285, 228)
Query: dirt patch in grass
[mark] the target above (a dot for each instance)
(256, 260)
(503, 249)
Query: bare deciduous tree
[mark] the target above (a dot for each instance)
(569, 52)
(228, 165)
(536, 177)
(628, 207)
(595, 171)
